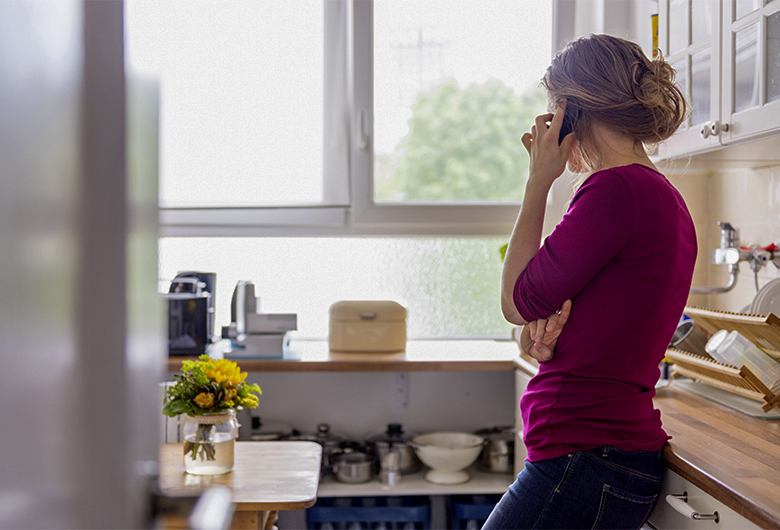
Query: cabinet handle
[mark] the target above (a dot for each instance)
(717, 127)
(680, 504)
(706, 130)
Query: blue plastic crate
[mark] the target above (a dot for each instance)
(470, 511)
(370, 513)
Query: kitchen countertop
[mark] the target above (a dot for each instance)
(420, 356)
(730, 455)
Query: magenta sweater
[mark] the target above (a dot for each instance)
(624, 254)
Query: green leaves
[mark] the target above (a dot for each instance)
(192, 382)
(464, 144)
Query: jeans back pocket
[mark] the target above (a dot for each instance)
(621, 509)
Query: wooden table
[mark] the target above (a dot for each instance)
(267, 477)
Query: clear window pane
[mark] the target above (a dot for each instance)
(746, 68)
(773, 57)
(679, 11)
(701, 19)
(681, 67)
(450, 286)
(241, 110)
(700, 87)
(455, 87)
(743, 7)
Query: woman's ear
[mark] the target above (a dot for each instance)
(575, 164)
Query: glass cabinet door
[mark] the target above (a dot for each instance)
(689, 32)
(751, 68)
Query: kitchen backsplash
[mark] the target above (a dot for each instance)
(747, 198)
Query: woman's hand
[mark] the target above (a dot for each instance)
(538, 338)
(548, 159)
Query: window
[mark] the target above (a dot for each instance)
(342, 117)
(455, 88)
(450, 286)
(395, 123)
(244, 135)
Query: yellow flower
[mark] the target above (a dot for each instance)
(225, 371)
(204, 400)
(229, 403)
(230, 393)
(250, 402)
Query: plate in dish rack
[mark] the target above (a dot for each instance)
(767, 300)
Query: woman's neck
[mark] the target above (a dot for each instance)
(618, 150)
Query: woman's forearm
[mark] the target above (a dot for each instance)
(523, 245)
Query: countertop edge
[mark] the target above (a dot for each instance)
(720, 491)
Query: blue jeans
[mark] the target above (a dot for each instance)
(600, 488)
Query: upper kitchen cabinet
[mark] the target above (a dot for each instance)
(750, 101)
(689, 37)
(727, 57)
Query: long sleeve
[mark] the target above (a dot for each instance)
(593, 231)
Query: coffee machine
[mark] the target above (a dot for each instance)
(191, 312)
(252, 334)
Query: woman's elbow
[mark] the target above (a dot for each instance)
(510, 312)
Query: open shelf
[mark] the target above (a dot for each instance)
(481, 483)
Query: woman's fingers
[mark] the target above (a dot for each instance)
(526, 139)
(563, 316)
(538, 332)
(542, 352)
(556, 119)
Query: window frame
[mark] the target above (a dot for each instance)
(348, 41)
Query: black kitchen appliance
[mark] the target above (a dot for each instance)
(191, 312)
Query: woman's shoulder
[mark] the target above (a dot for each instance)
(629, 177)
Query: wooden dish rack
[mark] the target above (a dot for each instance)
(764, 331)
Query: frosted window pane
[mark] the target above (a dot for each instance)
(746, 6)
(746, 68)
(773, 57)
(681, 67)
(241, 110)
(679, 12)
(701, 20)
(456, 84)
(450, 286)
(700, 87)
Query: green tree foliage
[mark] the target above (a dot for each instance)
(463, 144)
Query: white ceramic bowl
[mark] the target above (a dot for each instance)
(448, 454)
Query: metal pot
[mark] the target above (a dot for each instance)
(331, 445)
(497, 455)
(353, 467)
(394, 440)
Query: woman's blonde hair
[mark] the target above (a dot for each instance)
(609, 80)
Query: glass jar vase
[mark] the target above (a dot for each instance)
(209, 442)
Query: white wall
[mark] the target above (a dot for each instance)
(359, 404)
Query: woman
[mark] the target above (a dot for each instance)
(612, 278)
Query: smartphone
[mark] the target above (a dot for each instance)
(568, 124)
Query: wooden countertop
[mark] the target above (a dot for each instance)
(730, 455)
(420, 356)
(266, 476)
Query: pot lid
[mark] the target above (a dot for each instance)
(394, 434)
(501, 432)
(325, 437)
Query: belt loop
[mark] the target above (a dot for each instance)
(604, 451)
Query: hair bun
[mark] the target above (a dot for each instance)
(611, 81)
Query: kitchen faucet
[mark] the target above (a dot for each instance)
(731, 253)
